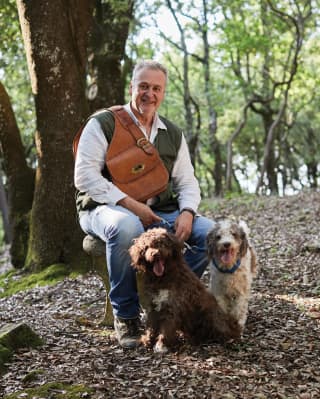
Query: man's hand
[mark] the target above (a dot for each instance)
(183, 225)
(143, 211)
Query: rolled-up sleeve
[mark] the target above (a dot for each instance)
(184, 180)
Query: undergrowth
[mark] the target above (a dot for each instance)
(18, 280)
(53, 390)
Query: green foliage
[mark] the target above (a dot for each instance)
(13, 281)
(11, 44)
(54, 390)
(14, 74)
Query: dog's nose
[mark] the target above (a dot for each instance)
(226, 244)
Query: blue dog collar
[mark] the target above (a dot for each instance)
(229, 271)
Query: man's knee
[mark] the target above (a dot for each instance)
(126, 230)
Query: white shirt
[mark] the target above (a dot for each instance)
(90, 161)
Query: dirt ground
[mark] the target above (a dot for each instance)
(278, 356)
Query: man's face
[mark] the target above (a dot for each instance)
(147, 91)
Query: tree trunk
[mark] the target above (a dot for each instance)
(312, 162)
(55, 37)
(110, 33)
(5, 212)
(20, 180)
(235, 134)
(313, 174)
(191, 138)
(213, 124)
(268, 165)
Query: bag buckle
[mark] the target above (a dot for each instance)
(145, 144)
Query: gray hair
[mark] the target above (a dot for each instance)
(151, 64)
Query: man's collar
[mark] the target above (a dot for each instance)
(157, 122)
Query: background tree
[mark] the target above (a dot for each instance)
(4, 209)
(17, 155)
(270, 40)
(56, 54)
(295, 20)
(20, 179)
(106, 74)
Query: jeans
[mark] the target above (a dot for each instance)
(118, 226)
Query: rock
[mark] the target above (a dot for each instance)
(96, 249)
(16, 336)
(312, 246)
(94, 246)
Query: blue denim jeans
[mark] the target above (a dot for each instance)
(117, 226)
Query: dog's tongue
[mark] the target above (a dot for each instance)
(158, 267)
(227, 256)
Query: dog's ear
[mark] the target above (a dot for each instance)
(211, 242)
(135, 252)
(253, 260)
(177, 245)
(243, 229)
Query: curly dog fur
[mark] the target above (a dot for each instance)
(178, 302)
(233, 267)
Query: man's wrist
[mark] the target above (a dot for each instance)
(190, 210)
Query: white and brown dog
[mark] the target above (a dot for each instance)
(232, 268)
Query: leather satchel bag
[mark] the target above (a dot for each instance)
(133, 163)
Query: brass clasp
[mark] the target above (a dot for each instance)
(138, 168)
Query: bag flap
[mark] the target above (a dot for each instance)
(130, 165)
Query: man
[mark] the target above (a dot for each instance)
(116, 218)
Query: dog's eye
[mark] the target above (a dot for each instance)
(218, 237)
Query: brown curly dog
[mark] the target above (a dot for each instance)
(176, 300)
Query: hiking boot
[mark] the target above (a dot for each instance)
(128, 332)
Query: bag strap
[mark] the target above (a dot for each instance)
(76, 139)
(128, 123)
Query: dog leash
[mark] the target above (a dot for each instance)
(189, 247)
(185, 244)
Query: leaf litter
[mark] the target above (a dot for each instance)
(278, 356)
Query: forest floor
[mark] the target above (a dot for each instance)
(278, 356)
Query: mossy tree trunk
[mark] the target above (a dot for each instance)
(20, 180)
(107, 53)
(55, 36)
